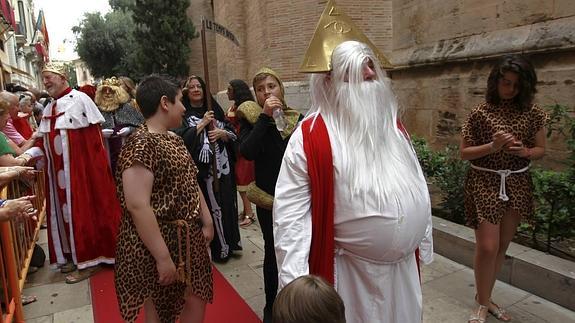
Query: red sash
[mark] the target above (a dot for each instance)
(317, 149)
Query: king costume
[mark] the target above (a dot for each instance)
(120, 117)
(82, 207)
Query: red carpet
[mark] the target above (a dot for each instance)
(228, 306)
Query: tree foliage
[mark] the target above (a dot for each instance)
(163, 31)
(137, 38)
(103, 42)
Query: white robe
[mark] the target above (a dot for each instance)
(375, 266)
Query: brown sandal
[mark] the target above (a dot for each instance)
(81, 275)
(247, 220)
(67, 268)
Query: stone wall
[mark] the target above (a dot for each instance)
(276, 33)
(445, 49)
(196, 10)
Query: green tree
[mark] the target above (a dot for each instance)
(104, 43)
(163, 32)
(126, 5)
(71, 71)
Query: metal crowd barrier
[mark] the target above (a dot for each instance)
(17, 241)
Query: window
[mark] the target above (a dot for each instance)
(22, 14)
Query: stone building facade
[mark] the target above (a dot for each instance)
(275, 34)
(442, 50)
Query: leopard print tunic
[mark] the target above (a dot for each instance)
(482, 202)
(175, 196)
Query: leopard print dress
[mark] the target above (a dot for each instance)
(482, 202)
(176, 203)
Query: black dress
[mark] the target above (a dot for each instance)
(223, 203)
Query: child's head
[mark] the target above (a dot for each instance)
(308, 299)
(151, 91)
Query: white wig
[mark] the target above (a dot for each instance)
(362, 116)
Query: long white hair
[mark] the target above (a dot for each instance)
(362, 116)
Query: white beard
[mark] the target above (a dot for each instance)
(377, 156)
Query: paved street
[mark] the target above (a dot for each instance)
(448, 290)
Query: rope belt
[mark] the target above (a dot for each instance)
(503, 173)
(184, 262)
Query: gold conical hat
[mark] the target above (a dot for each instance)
(334, 27)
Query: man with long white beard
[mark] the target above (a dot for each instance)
(352, 203)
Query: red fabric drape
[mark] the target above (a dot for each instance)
(317, 149)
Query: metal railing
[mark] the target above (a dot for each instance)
(17, 241)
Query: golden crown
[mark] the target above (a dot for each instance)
(112, 81)
(57, 68)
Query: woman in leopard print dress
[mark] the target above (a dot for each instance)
(162, 260)
(500, 138)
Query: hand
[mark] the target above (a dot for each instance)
(24, 159)
(21, 207)
(25, 172)
(208, 232)
(107, 133)
(10, 173)
(271, 104)
(208, 118)
(501, 139)
(124, 132)
(518, 149)
(167, 273)
(216, 134)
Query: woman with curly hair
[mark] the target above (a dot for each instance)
(500, 138)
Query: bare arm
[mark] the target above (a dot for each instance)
(9, 160)
(500, 139)
(537, 152)
(137, 183)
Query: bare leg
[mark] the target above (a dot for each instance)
(150, 312)
(486, 250)
(508, 228)
(194, 309)
(246, 203)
